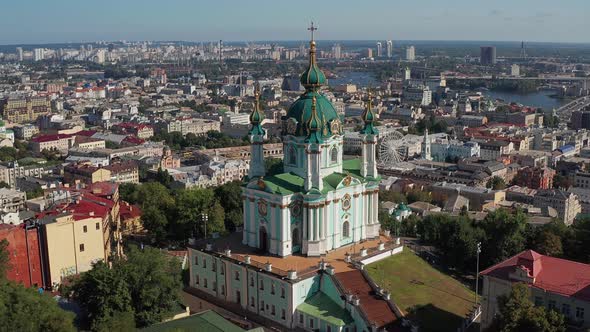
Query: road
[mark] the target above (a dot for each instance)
(565, 112)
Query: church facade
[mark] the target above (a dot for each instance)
(320, 202)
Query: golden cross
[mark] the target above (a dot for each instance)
(312, 28)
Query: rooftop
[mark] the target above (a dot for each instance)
(551, 274)
(304, 265)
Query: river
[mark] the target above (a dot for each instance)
(540, 98)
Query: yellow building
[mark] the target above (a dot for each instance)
(86, 173)
(24, 109)
(72, 245)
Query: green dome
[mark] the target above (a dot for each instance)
(312, 77)
(301, 112)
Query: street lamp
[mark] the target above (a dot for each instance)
(477, 271)
(204, 218)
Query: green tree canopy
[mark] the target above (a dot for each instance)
(516, 313)
(230, 198)
(496, 183)
(138, 291)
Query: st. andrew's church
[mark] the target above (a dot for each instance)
(321, 201)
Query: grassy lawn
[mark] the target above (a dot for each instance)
(440, 301)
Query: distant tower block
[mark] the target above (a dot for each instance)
(379, 49)
(389, 48)
(522, 51)
(408, 74)
(426, 147)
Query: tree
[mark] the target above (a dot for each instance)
(496, 183)
(273, 166)
(4, 184)
(504, 235)
(24, 309)
(4, 259)
(191, 204)
(561, 182)
(103, 294)
(154, 282)
(392, 196)
(230, 197)
(549, 244)
(419, 196)
(139, 291)
(517, 313)
(128, 192)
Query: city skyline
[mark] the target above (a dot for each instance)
(68, 21)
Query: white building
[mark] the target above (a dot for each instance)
(389, 48)
(411, 53)
(515, 70)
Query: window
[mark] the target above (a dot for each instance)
(300, 318)
(283, 292)
(81, 247)
(237, 277)
(334, 155)
(252, 301)
(205, 282)
(272, 312)
(538, 301)
(346, 229)
(328, 328)
(262, 305)
(196, 260)
(261, 284)
(292, 156)
(311, 323)
(272, 288)
(222, 289)
(565, 309)
(213, 266)
(214, 286)
(251, 281)
(551, 305)
(204, 262)
(222, 268)
(283, 314)
(579, 313)
(97, 226)
(197, 281)
(85, 228)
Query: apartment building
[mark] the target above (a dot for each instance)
(21, 110)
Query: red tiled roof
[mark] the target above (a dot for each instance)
(128, 211)
(86, 133)
(556, 275)
(49, 138)
(376, 309)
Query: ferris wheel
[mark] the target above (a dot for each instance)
(391, 149)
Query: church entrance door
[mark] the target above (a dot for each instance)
(263, 238)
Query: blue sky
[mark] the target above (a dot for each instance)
(47, 21)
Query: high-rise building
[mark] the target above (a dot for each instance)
(515, 70)
(100, 56)
(389, 48)
(19, 53)
(411, 53)
(337, 51)
(379, 49)
(408, 74)
(38, 54)
(488, 55)
(369, 53)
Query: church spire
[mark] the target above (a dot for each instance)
(368, 117)
(312, 78)
(256, 116)
(314, 124)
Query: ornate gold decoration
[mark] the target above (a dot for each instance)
(335, 127)
(347, 180)
(261, 183)
(291, 126)
(346, 202)
(262, 207)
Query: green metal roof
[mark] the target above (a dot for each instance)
(322, 307)
(208, 321)
(301, 111)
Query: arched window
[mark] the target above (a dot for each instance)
(292, 156)
(346, 228)
(334, 155)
